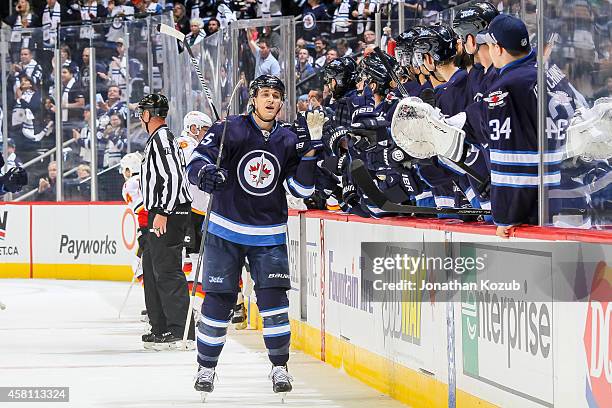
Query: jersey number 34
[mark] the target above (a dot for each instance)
(498, 130)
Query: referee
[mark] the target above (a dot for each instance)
(166, 197)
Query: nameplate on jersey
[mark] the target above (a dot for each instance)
(258, 172)
(496, 99)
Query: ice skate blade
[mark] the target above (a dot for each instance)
(164, 346)
(203, 395)
(148, 346)
(283, 396)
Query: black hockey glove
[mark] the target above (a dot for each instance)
(211, 178)
(334, 139)
(13, 180)
(367, 124)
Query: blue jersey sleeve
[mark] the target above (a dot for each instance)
(205, 153)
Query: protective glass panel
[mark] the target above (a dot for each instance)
(578, 54)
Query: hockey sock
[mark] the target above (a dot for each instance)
(273, 307)
(212, 327)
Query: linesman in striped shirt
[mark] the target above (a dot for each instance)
(167, 199)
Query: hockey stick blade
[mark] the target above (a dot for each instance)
(364, 181)
(171, 31)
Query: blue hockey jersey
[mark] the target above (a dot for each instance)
(509, 113)
(252, 207)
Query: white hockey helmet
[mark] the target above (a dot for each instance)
(199, 119)
(132, 162)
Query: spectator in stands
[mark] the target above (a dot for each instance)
(181, 21)
(344, 50)
(212, 26)
(28, 99)
(83, 139)
(413, 8)
(23, 18)
(303, 69)
(27, 66)
(116, 137)
(302, 103)
(92, 11)
(369, 37)
(320, 51)
(315, 99)
(117, 69)
(46, 185)
(114, 104)
(196, 8)
(73, 99)
(11, 155)
(363, 11)
(85, 77)
(53, 13)
(153, 7)
(273, 38)
(606, 91)
(314, 18)
(331, 55)
(197, 34)
(66, 59)
(341, 15)
(265, 63)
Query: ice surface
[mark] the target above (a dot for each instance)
(67, 333)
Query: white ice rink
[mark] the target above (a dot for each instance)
(67, 333)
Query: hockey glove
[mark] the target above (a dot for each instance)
(350, 195)
(315, 121)
(13, 180)
(367, 124)
(305, 142)
(211, 178)
(334, 139)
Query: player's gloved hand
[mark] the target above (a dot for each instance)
(13, 180)
(211, 178)
(316, 120)
(398, 186)
(368, 125)
(334, 139)
(305, 142)
(350, 195)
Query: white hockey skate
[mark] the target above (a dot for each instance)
(205, 381)
(281, 381)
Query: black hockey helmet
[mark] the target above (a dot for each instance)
(156, 104)
(403, 46)
(439, 41)
(344, 71)
(474, 19)
(373, 70)
(266, 81)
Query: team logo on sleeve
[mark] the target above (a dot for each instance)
(496, 99)
(258, 172)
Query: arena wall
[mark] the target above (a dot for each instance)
(423, 353)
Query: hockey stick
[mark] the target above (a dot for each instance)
(202, 251)
(363, 180)
(172, 32)
(467, 169)
(127, 295)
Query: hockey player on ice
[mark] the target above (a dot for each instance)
(132, 195)
(248, 219)
(195, 126)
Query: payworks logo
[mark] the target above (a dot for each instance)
(597, 339)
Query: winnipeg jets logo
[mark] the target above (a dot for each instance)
(258, 172)
(495, 99)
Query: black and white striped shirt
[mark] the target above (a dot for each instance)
(164, 181)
